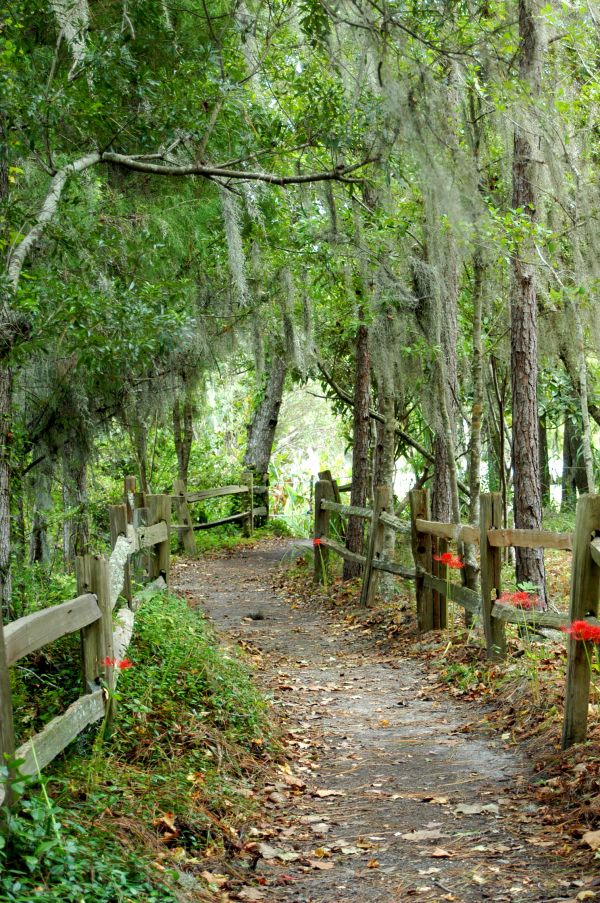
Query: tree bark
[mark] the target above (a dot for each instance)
(261, 430)
(360, 447)
(39, 549)
(574, 475)
(586, 440)
(544, 463)
(524, 338)
(76, 533)
(183, 435)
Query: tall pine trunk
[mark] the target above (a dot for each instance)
(527, 501)
(360, 447)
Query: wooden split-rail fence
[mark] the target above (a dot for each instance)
(140, 538)
(429, 540)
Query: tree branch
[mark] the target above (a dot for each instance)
(211, 172)
(19, 254)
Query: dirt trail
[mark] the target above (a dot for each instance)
(380, 818)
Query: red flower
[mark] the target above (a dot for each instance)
(317, 542)
(583, 631)
(520, 599)
(122, 665)
(450, 560)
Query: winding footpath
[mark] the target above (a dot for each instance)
(386, 799)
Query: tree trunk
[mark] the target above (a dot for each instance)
(524, 339)
(360, 447)
(586, 441)
(39, 549)
(5, 439)
(139, 440)
(544, 462)
(183, 435)
(261, 431)
(386, 478)
(574, 476)
(76, 533)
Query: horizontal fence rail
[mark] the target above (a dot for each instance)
(429, 540)
(139, 529)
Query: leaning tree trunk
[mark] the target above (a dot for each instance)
(261, 431)
(527, 501)
(360, 447)
(183, 435)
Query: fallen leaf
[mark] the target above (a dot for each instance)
(372, 864)
(423, 835)
(251, 893)
(477, 809)
(592, 839)
(439, 853)
(325, 793)
(320, 864)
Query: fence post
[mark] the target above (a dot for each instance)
(323, 490)
(490, 517)
(439, 602)
(185, 535)
(248, 480)
(118, 527)
(585, 584)
(422, 554)
(92, 648)
(7, 730)
(129, 494)
(381, 502)
(159, 509)
(336, 521)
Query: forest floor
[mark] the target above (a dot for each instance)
(389, 792)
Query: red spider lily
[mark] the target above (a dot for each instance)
(122, 665)
(450, 560)
(317, 542)
(582, 631)
(520, 599)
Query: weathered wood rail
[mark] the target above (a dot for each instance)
(433, 590)
(139, 529)
(183, 498)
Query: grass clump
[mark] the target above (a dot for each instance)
(176, 778)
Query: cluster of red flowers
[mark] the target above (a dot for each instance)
(450, 560)
(121, 664)
(520, 599)
(581, 630)
(317, 542)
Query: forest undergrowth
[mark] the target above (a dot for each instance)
(130, 817)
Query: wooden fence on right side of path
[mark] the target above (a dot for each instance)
(433, 590)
